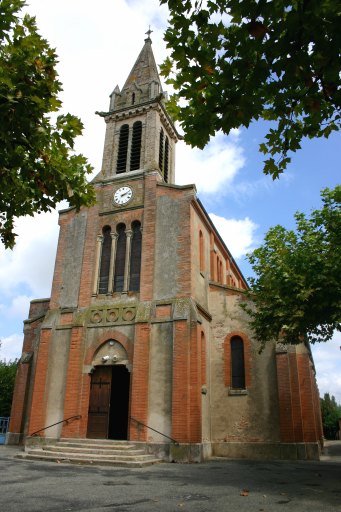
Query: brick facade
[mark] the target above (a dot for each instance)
(173, 334)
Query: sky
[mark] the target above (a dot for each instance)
(97, 44)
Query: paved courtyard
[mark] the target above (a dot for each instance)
(217, 486)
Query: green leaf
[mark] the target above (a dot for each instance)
(37, 162)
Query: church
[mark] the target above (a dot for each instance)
(143, 338)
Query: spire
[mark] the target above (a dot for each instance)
(143, 83)
(140, 134)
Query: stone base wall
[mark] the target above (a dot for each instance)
(13, 438)
(199, 452)
(285, 451)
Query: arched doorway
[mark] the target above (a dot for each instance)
(109, 403)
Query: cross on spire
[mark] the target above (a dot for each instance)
(149, 32)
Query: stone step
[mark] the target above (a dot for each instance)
(53, 457)
(82, 440)
(90, 449)
(97, 446)
(108, 456)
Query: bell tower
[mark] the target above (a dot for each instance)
(140, 135)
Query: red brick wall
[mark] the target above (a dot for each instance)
(195, 428)
(300, 419)
(140, 382)
(184, 249)
(186, 392)
(148, 239)
(72, 402)
(307, 401)
(181, 379)
(20, 394)
(295, 402)
(89, 255)
(58, 267)
(38, 407)
(287, 434)
(18, 403)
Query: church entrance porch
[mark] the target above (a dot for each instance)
(109, 403)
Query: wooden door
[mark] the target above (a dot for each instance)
(99, 403)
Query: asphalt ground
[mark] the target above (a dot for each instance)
(219, 485)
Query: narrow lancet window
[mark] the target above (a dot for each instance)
(105, 261)
(201, 252)
(135, 257)
(135, 154)
(237, 363)
(122, 149)
(120, 258)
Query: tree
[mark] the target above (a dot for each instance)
(236, 61)
(7, 379)
(331, 412)
(38, 166)
(297, 288)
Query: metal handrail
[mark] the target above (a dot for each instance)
(77, 417)
(153, 429)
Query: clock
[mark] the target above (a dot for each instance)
(123, 195)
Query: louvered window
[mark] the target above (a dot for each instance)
(135, 154)
(166, 160)
(135, 257)
(120, 258)
(161, 150)
(105, 261)
(164, 155)
(237, 363)
(122, 149)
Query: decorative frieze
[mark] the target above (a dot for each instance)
(111, 315)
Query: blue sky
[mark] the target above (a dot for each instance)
(97, 44)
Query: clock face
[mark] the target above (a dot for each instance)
(123, 195)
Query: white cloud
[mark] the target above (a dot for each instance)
(212, 170)
(19, 307)
(11, 347)
(31, 262)
(238, 234)
(92, 43)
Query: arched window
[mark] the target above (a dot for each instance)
(135, 257)
(135, 153)
(120, 258)
(237, 363)
(201, 252)
(161, 150)
(133, 98)
(122, 149)
(218, 269)
(166, 160)
(105, 260)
